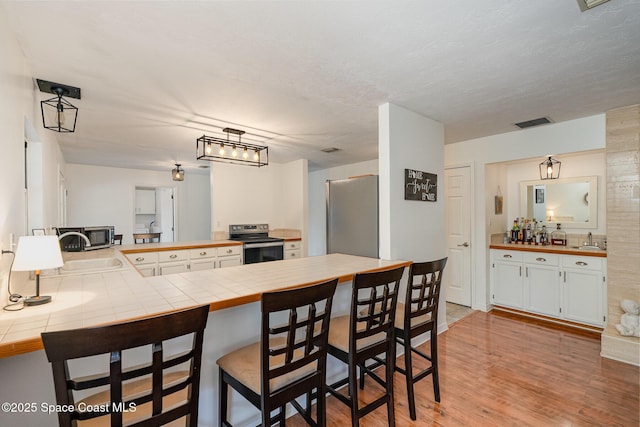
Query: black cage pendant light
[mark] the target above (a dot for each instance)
(229, 151)
(177, 174)
(58, 114)
(550, 168)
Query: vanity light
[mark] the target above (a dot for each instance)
(177, 174)
(550, 168)
(206, 147)
(58, 114)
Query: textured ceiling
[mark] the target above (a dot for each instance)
(305, 75)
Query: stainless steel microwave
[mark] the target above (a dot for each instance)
(94, 238)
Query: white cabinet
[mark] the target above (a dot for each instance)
(229, 256)
(567, 287)
(508, 284)
(171, 262)
(145, 202)
(584, 292)
(542, 283)
(202, 259)
(292, 249)
(146, 262)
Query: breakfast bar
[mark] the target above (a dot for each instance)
(89, 299)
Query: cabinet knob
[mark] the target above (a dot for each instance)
(507, 256)
(140, 258)
(581, 263)
(203, 253)
(229, 251)
(173, 256)
(541, 259)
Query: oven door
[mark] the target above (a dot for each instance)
(263, 252)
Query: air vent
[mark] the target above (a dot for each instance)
(330, 150)
(585, 5)
(534, 122)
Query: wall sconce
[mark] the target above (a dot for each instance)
(177, 174)
(550, 168)
(35, 253)
(58, 114)
(227, 151)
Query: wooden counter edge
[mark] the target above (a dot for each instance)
(15, 348)
(550, 250)
(181, 247)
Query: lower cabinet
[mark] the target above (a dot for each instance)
(184, 260)
(567, 287)
(292, 249)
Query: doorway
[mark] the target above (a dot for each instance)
(155, 212)
(458, 235)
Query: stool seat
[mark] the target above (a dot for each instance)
(339, 335)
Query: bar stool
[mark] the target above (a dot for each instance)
(159, 397)
(364, 334)
(117, 239)
(289, 361)
(419, 315)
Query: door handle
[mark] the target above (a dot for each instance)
(465, 244)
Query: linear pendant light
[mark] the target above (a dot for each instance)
(228, 151)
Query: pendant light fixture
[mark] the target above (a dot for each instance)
(230, 151)
(550, 168)
(177, 174)
(58, 114)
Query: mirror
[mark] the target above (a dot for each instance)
(572, 202)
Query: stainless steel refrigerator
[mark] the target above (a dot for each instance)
(352, 216)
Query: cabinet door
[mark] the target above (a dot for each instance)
(147, 270)
(542, 289)
(203, 264)
(173, 268)
(229, 261)
(508, 284)
(583, 295)
(145, 201)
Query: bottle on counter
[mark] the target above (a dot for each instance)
(515, 231)
(559, 237)
(544, 237)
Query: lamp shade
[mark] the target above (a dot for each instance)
(37, 253)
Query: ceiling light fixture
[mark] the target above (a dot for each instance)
(241, 153)
(58, 114)
(177, 174)
(550, 168)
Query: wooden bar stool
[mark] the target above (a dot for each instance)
(364, 334)
(117, 239)
(417, 316)
(159, 397)
(289, 361)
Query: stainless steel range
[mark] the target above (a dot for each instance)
(257, 245)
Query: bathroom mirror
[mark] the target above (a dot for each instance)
(572, 202)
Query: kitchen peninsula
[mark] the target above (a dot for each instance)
(233, 294)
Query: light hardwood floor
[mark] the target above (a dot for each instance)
(502, 370)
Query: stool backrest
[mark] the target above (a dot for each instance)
(373, 309)
(62, 346)
(291, 346)
(423, 293)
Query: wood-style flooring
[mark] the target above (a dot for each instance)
(502, 370)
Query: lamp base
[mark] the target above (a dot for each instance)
(37, 300)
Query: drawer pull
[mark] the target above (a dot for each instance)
(507, 256)
(229, 251)
(541, 259)
(203, 253)
(173, 256)
(140, 258)
(581, 263)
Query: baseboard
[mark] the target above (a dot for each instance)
(621, 349)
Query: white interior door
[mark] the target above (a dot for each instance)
(458, 231)
(165, 213)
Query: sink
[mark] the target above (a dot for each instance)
(91, 265)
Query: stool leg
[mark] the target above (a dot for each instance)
(224, 394)
(434, 365)
(390, 368)
(353, 391)
(408, 366)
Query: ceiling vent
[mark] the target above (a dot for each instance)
(534, 122)
(589, 4)
(330, 150)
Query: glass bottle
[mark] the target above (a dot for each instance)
(559, 237)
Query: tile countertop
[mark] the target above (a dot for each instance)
(551, 249)
(84, 300)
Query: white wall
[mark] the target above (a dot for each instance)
(99, 195)
(317, 200)
(560, 138)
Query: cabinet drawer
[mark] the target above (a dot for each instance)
(171, 256)
(291, 254)
(541, 258)
(229, 250)
(202, 253)
(291, 245)
(582, 262)
(500, 255)
(143, 258)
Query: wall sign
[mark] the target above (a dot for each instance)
(420, 185)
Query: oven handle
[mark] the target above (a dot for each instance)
(263, 245)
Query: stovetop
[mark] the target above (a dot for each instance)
(256, 233)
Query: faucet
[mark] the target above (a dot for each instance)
(75, 233)
(590, 239)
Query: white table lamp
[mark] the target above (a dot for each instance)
(35, 253)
